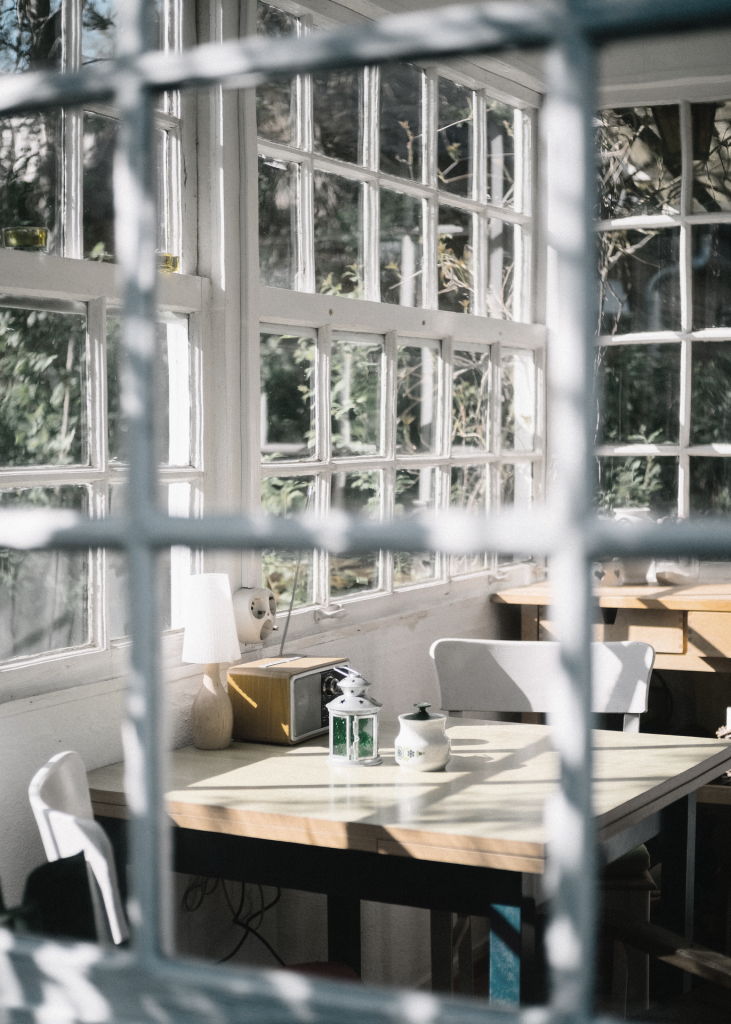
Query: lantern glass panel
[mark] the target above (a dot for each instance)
(363, 727)
(340, 736)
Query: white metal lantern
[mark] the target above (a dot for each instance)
(353, 722)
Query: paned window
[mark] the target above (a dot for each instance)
(389, 425)
(56, 167)
(409, 188)
(62, 435)
(395, 184)
(62, 445)
(664, 353)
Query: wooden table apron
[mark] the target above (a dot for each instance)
(458, 840)
(688, 626)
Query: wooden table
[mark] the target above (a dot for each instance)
(689, 627)
(453, 841)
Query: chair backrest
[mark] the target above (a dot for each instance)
(59, 797)
(516, 675)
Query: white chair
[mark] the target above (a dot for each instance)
(59, 797)
(515, 675)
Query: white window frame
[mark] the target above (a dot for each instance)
(329, 316)
(93, 288)
(685, 337)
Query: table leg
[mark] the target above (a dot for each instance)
(678, 879)
(505, 954)
(343, 929)
(441, 950)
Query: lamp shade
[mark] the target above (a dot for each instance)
(210, 628)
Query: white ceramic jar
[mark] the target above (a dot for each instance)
(422, 744)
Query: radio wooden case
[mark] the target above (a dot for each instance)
(282, 700)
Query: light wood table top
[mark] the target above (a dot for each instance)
(485, 809)
(707, 597)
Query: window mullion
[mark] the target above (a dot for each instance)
(686, 307)
(388, 501)
(321, 559)
(480, 255)
(97, 386)
(306, 233)
(323, 427)
(444, 435)
(495, 411)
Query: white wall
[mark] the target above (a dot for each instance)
(392, 653)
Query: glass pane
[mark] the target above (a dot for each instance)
(355, 397)
(43, 594)
(415, 495)
(518, 394)
(638, 482)
(515, 490)
(500, 269)
(710, 487)
(639, 281)
(29, 180)
(173, 566)
(401, 249)
(454, 258)
(98, 31)
(417, 396)
(468, 491)
(515, 487)
(275, 106)
(454, 137)
(711, 156)
(501, 153)
(100, 139)
(710, 403)
(30, 36)
(42, 388)
(285, 496)
(277, 223)
(400, 121)
(336, 114)
(287, 396)
(711, 276)
(639, 161)
(638, 389)
(172, 392)
(470, 400)
(357, 494)
(338, 235)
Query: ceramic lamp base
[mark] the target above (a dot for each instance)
(212, 717)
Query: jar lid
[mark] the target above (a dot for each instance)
(422, 715)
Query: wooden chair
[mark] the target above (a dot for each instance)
(59, 797)
(477, 676)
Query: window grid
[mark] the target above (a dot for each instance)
(323, 465)
(102, 474)
(686, 337)
(301, 153)
(572, 535)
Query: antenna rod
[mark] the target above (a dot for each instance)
(310, 490)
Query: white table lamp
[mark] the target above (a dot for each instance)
(210, 640)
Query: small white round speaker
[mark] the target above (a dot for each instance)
(255, 609)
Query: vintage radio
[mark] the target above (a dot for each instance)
(282, 700)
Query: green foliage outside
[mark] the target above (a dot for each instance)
(286, 496)
(42, 388)
(287, 368)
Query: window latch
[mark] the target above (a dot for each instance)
(333, 611)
